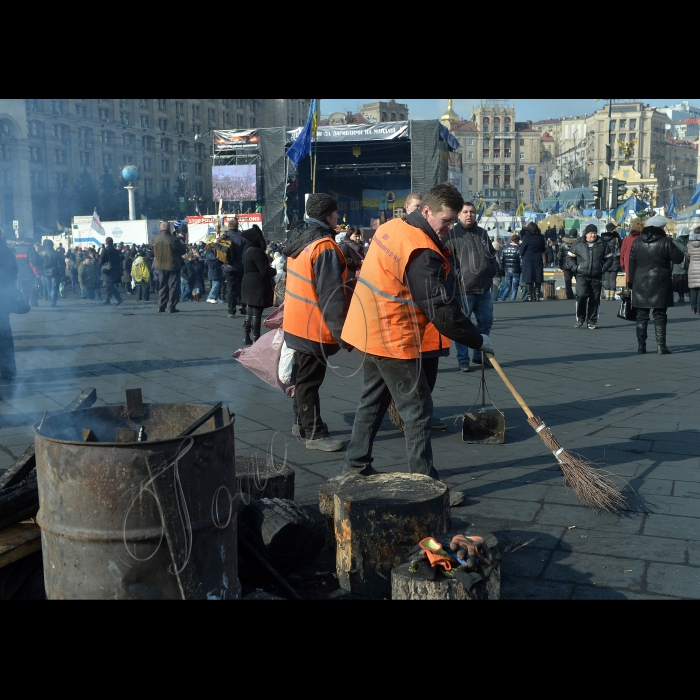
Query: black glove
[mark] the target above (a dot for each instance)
(346, 346)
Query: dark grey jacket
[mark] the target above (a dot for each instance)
(682, 243)
(589, 261)
(474, 258)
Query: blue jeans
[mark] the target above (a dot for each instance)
(481, 305)
(185, 291)
(214, 293)
(52, 284)
(512, 279)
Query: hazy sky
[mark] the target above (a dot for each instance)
(524, 109)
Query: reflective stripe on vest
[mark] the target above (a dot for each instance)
(302, 313)
(383, 318)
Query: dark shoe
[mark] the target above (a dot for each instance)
(256, 322)
(485, 362)
(367, 471)
(174, 310)
(121, 301)
(641, 349)
(104, 303)
(437, 424)
(247, 327)
(662, 349)
(578, 324)
(162, 311)
(464, 367)
(660, 332)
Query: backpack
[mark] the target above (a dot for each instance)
(224, 251)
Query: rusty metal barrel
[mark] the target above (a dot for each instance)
(113, 528)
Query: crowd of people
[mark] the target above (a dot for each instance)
(401, 299)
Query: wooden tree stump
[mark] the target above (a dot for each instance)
(282, 531)
(378, 520)
(408, 586)
(325, 506)
(255, 477)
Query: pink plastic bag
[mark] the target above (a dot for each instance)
(274, 320)
(262, 358)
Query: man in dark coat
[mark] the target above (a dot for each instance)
(111, 269)
(649, 277)
(531, 250)
(680, 274)
(8, 281)
(27, 262)
(475, 267)
(168, 251)
(51, 268)
(564, 248)
(233, 268)
(589, 259)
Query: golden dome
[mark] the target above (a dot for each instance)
(450, 115)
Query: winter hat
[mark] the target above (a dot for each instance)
(610, 228)
(591, 228)
(320, 205)
(658, 221)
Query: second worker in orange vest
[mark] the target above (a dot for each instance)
(315, 304)
(403, 285)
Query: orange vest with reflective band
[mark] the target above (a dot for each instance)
(434, 340)
(383, 319)
(302, 313)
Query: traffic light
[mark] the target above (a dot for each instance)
(600, 192)
(619, 192)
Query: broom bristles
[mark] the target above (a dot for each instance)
(594, 487)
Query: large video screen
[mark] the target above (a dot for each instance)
(234, 183)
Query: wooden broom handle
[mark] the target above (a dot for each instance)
(509, 384)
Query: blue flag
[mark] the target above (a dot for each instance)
(302, 146)
(672, 206)
(696, 195)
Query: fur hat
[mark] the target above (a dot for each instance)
(637, 225)
(658, 221)
(319, 206)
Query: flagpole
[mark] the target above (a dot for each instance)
(315, 157)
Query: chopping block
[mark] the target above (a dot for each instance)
(377, 520)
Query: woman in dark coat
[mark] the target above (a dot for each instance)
(256, 286)
(649, 277)
(612, 238)
(353, 251)
(531, 250)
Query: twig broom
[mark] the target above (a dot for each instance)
(593, 487)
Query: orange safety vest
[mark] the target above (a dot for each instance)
(383, 319)
(434, 340)
(302, 313)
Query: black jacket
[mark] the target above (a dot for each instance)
(511, 261)
(26, 257)
(187, 272)
(531, 249)
(615, 244)
(237, 248)
(256, 286)
(564, 248)
(110, 263)
(213, 265)
(8, 269)
(50, 260)
(649, 275)
(328, 280)
(589, 261)
(474, 258)
(352, 256)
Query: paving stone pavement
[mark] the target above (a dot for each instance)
(635, 415)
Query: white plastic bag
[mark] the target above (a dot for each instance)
(284, 371)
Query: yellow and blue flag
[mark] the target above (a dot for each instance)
(521, 209)
(302, 146)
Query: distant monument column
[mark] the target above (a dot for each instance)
(131, 173)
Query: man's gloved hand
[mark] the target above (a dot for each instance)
(486, 345)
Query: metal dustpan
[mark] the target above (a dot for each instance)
(484, 427)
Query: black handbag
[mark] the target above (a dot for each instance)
(627, 312)
(17, 304)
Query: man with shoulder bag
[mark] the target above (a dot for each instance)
(111, 269)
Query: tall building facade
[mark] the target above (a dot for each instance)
(68, 137)
(497, 154)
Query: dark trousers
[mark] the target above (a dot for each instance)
(386, 378)
(680, 286)
(30, 290)
(587, 298)
(144, 290)
(7, 347)
(694, 292)
(111, 290)
(92, 292)
(233, 286)
(611, 279)
(169, 289)
(309, 373)
(567, 283)
(430, 369)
